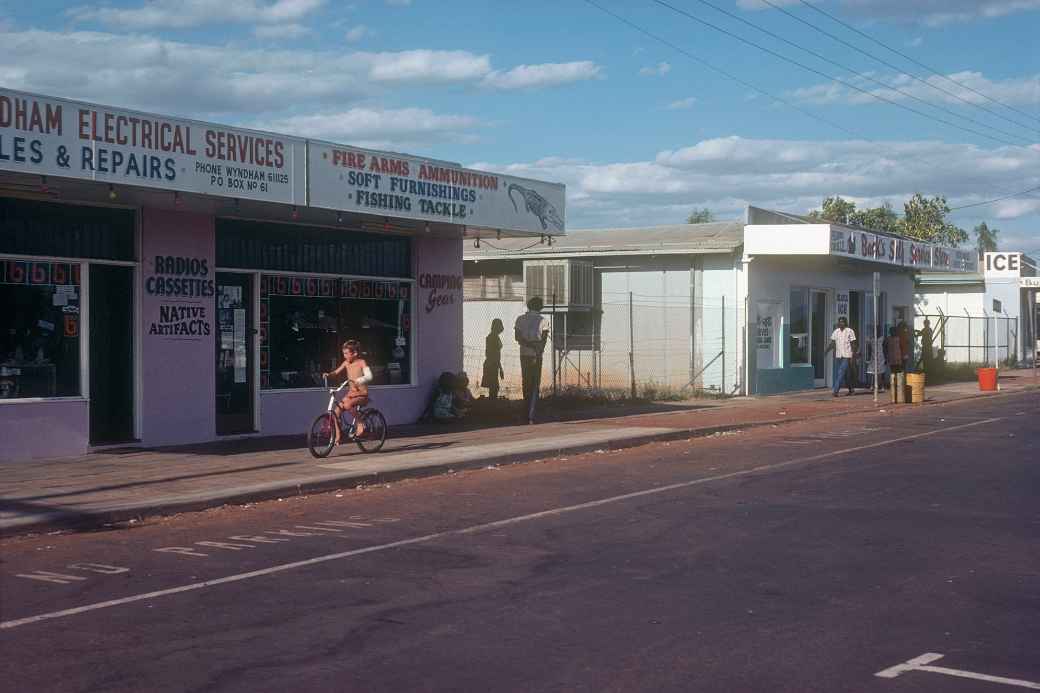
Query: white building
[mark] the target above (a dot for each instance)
(739, 307)
(986, 316)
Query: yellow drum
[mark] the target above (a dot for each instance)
(915, 381)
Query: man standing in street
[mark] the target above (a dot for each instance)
(531, 332)
(843, 342)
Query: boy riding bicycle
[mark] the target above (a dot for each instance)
(359, 375)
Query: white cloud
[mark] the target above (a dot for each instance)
(928, 12)
(180, 14)
(728, 173)
(280, 31)
(658, 70)
(682, 104)
(544, 75)
(141, 71)
(425, 66)
(399, 3)
(357, 33)
(1015, 90)
(377, 128)
(915, 42)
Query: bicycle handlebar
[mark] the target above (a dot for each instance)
(325, 380)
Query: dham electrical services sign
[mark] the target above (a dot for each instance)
(62, 138)
(393, 185)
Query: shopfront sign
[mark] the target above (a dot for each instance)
(1002, 264)
(184, 288)
(443, 290)
(71, 139)
(1029, 282)
(867, 246)
(392, 185)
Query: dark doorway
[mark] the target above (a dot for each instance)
(111, 354)
(234, 353)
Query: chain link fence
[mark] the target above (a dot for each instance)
(968, 339)
(629, 344)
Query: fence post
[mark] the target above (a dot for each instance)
(552, 345)
(631, 348)
(723, 344)
(969, 341)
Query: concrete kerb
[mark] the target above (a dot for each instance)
(97, 520)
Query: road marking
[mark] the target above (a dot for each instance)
(922, 664)
(190, 587)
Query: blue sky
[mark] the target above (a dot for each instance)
(639, 132)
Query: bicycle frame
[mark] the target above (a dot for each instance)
(333, 392)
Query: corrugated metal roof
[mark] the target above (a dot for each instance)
(716, 236)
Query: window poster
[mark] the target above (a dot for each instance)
(768, 322)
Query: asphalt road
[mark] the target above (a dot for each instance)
(806, 557)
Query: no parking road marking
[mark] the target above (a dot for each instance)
(923, 662)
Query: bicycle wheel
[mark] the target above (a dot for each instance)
(322, 436)
(375, 432)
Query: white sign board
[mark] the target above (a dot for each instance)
(71, 139)
(1029, 283)
(1002, 264)
(393, 185)
(768, 320)
(841, 305)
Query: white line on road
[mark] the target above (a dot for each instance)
(470, 530)
(922, 664)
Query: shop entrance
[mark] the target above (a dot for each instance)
(111, 354)
(235, 383)
(820, 336)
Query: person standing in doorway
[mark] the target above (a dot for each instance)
(531, 333)
(843, 343)
(493, 359)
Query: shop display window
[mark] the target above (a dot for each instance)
(305, 319)
(39, 329)
(799, 330)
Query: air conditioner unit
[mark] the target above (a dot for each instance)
(565, 284)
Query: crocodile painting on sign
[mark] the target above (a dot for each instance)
(536, 205)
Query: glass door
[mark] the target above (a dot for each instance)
(820, 336)
(235, 386)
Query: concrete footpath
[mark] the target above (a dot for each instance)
(102, 488)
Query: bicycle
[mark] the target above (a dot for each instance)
(322, 437)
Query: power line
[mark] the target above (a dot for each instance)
(725, 73)
(899, 70)
(916, 62)
(832, 62)
(996, 199)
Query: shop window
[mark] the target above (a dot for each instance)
(39, 329)
(799, 331)
(304, 320)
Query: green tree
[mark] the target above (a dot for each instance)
(700, 216)
(835, 210)
(985, 239)
(881, 218)
(925, 219)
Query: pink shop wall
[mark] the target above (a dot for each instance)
(437, 339)
(178, 356)
(43, 429)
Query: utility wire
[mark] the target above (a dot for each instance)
(916, 62)
(996, 199)
(778, 99)
(836, 64)
(900, 70)
(725, 73)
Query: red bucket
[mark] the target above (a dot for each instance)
(987, 379)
